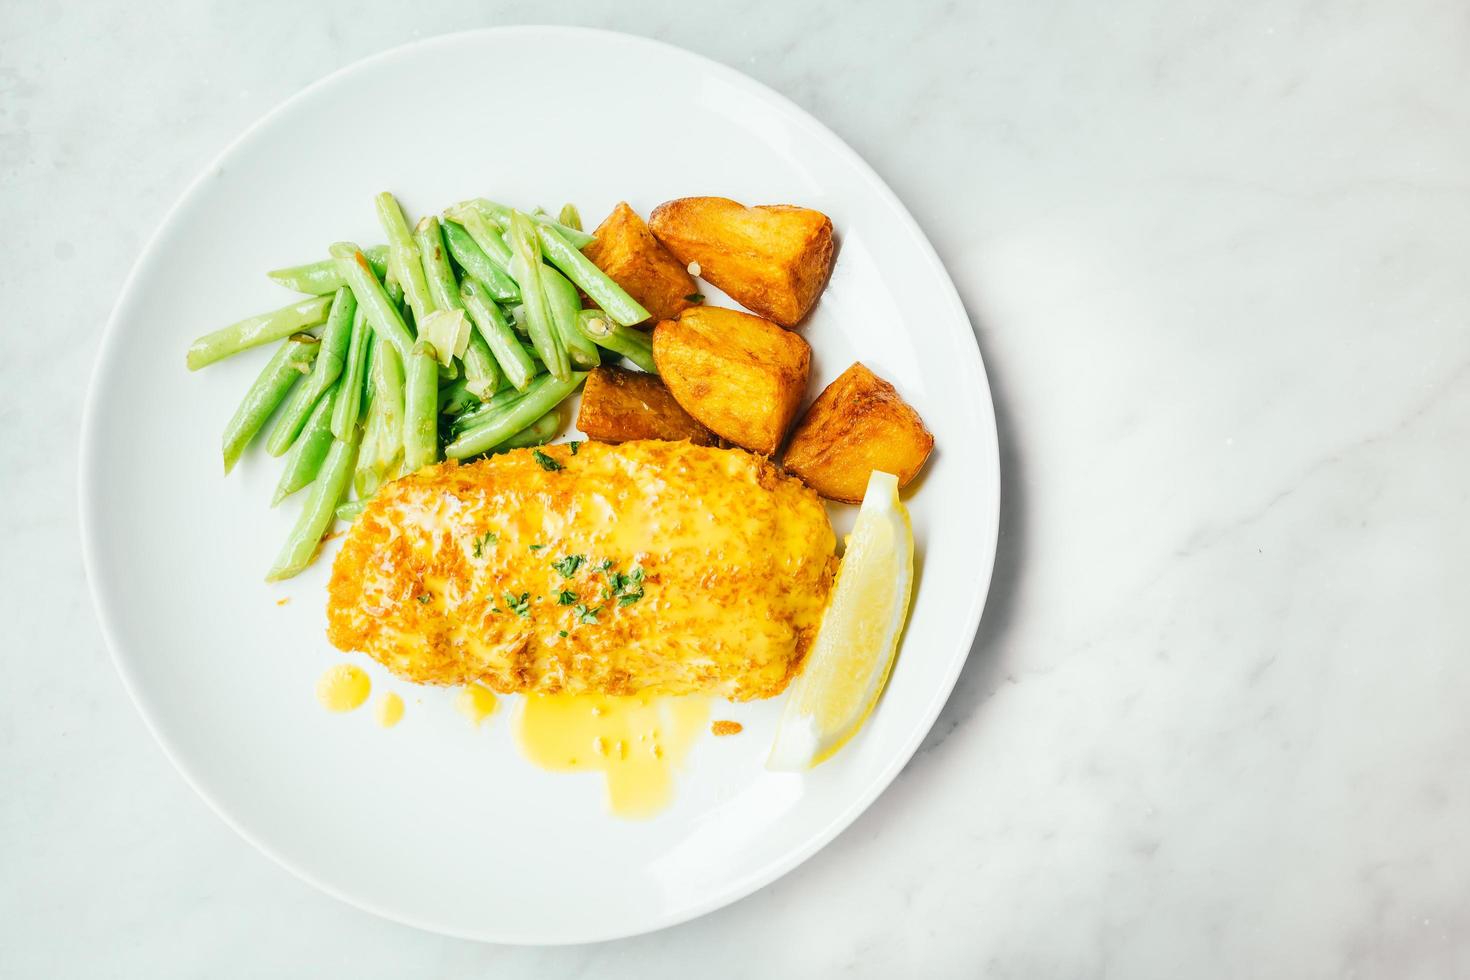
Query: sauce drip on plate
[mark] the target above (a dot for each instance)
(343, 687)
(389, 710)
(475, 702)
(636, 742)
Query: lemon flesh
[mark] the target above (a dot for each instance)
(854, 650)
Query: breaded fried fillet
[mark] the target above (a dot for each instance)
(647, 566)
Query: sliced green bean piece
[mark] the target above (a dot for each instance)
(351, 510)
(518, 366)
(564, 304)
(634, 344)
(538, 433)
(488, 235)
(473, 260)
(570, 216)
(421, 408)
(501, 215)
(493, 407)
(373, 300)
(607, 294)
(481, 370)
(543, 395)
(349, 398)
(305, 459)
(286, 366)
(381, 457)
(526, 271)
(405, 263)
(256, 330)
(322, 278)
(318, 512)
(328, 368)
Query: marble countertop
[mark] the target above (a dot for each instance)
(1213, 722)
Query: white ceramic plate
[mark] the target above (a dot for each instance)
(435, 823)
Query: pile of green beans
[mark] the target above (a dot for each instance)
(361, 395)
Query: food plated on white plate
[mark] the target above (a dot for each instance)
(621, 573)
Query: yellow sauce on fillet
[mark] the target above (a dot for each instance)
(343, 688)
(637, 742)
(649, 566)
(476, 703)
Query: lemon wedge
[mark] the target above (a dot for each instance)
(849, 662)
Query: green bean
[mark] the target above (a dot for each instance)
(455, 398)
(538, 433)
(564, 303)
(481, 371)
(527, 273)
(318, 512)
(372, 299)
(502, 341)
(543, 395)
(429, 240)
(593, 281)
(487, 235)
(473, 260)
(322, 278)
(351, 510)
(570, 216)
(404, 260)
(256, 330)
(501, 215)
(632, 343)
(328, 368)
(285, 368)
(305, 459)
(421, 408)
(493, 407)
(381, 456)
(349, 398)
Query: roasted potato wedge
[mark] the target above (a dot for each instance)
(634, 259)
(773, 259)
(619, 405)
(743, 377)
(857, 424)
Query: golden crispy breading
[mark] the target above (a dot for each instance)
(647, 566)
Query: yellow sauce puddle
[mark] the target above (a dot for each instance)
(390, 710)
(636, 742)
(343, 688)
(475, 702)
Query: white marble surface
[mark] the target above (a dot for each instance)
(1214, 724)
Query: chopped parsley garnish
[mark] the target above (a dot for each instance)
(694, 298)
(537, 547)
(586, 615)
(484, 541)
(626, 586)
(561, 633)
(425, 598)
(545, 461)
(568, 566)
(603, 565)
(566, 597)
(520, 606)
(575, 445)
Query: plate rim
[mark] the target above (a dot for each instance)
(736, 888)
